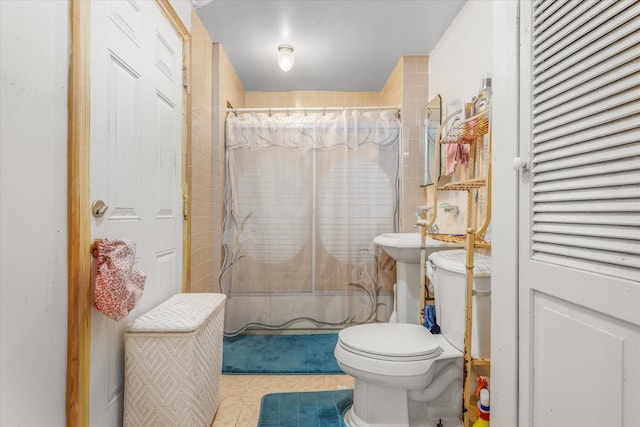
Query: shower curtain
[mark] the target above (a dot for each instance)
(305, 195)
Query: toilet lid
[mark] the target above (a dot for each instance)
(390, 341)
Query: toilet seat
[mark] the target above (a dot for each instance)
(397, 342)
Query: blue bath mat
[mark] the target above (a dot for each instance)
(306, 409)
(280, 354)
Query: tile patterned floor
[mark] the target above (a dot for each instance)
(241, 394)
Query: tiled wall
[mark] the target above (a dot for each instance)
(299, 99)
(391, 93)
(201, 151)
(227, 87)
(415, 77)
(407, 86)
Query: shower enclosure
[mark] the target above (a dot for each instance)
(305, 195)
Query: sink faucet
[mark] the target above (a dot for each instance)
(434, 229)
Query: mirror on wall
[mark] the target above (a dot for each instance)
(430, 120)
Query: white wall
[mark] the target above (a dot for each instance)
(463, 54)
(34, 51)
(34, 61)
(456, 66)
(483, 38)
(504, 252)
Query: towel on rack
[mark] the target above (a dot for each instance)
(457, 154)
(119, 284)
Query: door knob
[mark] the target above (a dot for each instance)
(519, 164)
(98, 208)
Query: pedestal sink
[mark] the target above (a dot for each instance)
(405, 249)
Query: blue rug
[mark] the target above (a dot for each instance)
(307, 409)
(280, 354)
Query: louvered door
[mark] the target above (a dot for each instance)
(579, 236)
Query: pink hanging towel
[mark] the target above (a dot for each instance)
(119, 284)
(457, 154)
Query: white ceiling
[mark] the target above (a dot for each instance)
(350, 45)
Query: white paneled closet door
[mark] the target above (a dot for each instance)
(579, 236)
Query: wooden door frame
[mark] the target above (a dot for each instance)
(78, 201)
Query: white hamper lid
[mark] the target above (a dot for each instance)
(180, 313)
(455, 261)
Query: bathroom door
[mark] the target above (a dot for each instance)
(136, 118)
(579, 237)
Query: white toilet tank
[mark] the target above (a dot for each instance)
(447, 273)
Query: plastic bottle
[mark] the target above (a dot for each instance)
(483, 403)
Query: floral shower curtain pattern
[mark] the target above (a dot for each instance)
(305, 195)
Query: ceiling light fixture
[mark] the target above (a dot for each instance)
(285, 57)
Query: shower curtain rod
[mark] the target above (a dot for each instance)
(289, 109)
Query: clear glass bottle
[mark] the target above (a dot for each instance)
(484, 96)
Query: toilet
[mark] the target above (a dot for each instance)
(404, 375)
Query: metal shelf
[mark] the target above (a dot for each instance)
(461, 239)
(466, 185)
(469, 130)
(480, 362)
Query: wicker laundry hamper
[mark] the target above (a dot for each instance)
(173, 363)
